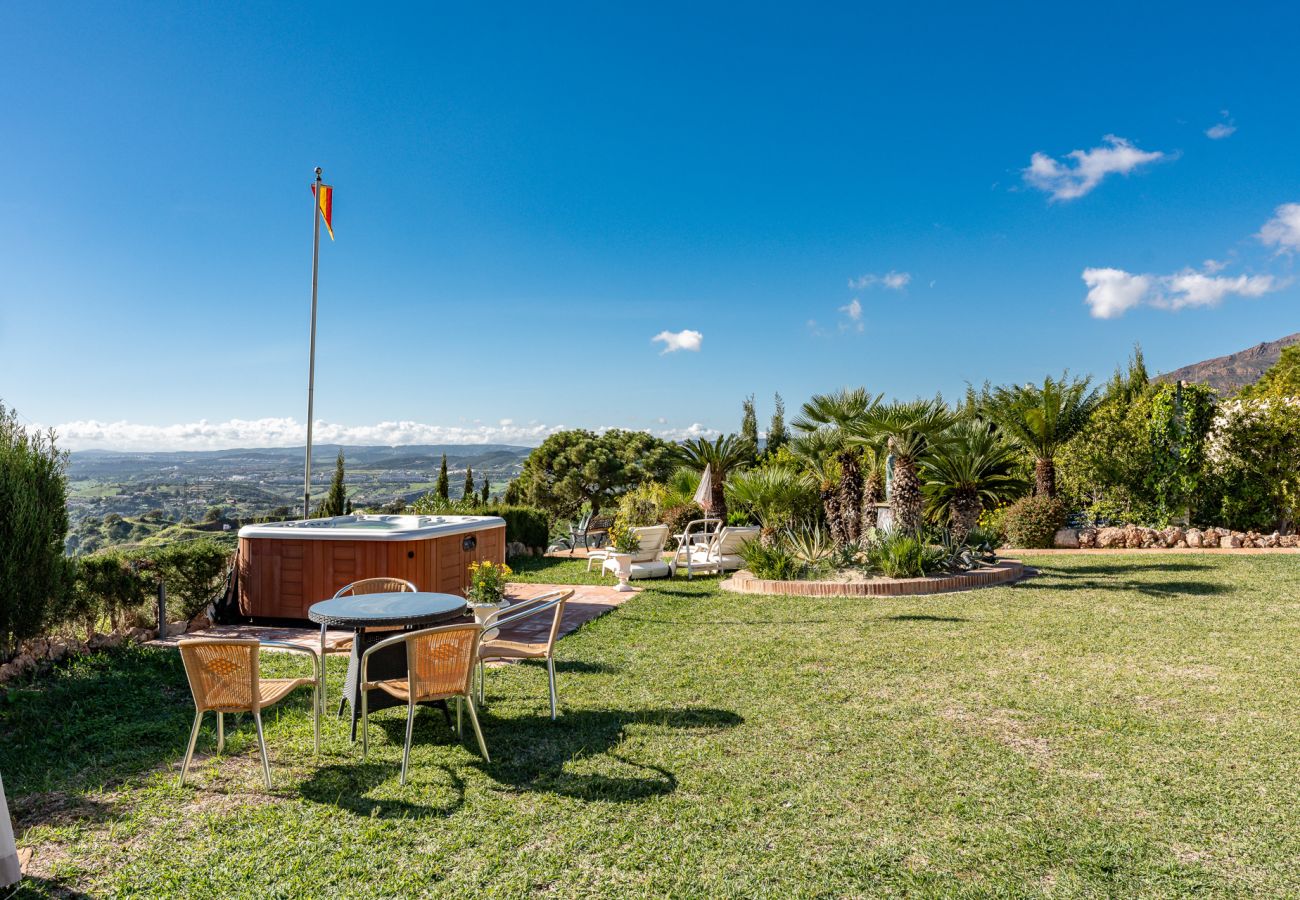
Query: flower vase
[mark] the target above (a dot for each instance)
(624, 562)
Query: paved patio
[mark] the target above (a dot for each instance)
(588, 602)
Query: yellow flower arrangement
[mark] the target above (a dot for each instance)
(487, 581)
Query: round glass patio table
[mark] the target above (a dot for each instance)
(406, 609)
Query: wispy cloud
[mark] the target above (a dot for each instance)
(1113, 292)
(1283, 230)
(1220, 130)
(895, 281)
(686, 339)
(853, 313)
(1082, 170)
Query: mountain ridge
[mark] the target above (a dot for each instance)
(1230, 373)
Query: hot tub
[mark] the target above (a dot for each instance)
(285, 567)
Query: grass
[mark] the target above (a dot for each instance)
(1120, 726)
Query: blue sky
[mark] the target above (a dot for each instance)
(526, 196)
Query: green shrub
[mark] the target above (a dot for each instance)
(110, 590)
(193, 572)
(677, 518)
(773, 561)
(34, 573)
(641, 506)
(901, 554)
(526, 525)
(1032, 522)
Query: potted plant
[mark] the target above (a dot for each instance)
(624, 543)
(487, 588)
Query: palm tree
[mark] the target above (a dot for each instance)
(905, 430)
(774, 494)
(816, 451)
(1041, 419)
(841, 412)
(968, 468)
(727, 454)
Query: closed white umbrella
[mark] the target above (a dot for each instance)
(704, 493)
(10, 869)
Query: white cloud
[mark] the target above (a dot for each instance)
(288, 432)
(1112, 292)
(1220, 130)
(854, 313)
(1213, 265)
(1283, 230)
(1067, 182)
(686, 339)
(504, 422)
(895, 281)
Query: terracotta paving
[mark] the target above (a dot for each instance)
(588, 602)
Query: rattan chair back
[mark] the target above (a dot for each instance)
(440, 662)
(223, 674)
(376, 586)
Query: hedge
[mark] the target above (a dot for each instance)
(526, 525)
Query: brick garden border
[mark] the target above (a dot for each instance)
(1004, 572)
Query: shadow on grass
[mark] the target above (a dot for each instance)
(1148, 588)
(529, 753)
(33, 886)
(1121, 568)
(924, 618)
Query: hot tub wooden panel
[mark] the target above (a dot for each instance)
(281, 577)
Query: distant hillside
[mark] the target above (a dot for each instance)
(1229, 374)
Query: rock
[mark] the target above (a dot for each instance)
(140, 635)
(1173, 535)
(1134, 537)
(515, 548)
(1088, 537)
(1233, 540)
(1067, 539)
(1272, 540)
(104, 641)
(1110, 538)
(1289, 540)
(198, 623)
(1192, 537)
(1210, 537)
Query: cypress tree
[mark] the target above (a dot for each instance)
(487, 489)
(444, 486)
(749, 424)
(777, 436)
(468, 493)
(336, 501)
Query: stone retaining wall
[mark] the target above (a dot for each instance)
(1005, 571)
(1137, 537)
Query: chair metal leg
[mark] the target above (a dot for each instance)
(221, 731)
(261, 743)
(482, 673)
(189, 751)
(459, 704)
(550, 677)
(315, 714)
(365, 731)
(410, 727)
(478, 732)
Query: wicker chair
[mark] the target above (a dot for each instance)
(224, 676)
(495, 648)
(440, 666)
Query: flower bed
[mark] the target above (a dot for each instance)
(1003, 572)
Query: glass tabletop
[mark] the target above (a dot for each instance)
(397, 608)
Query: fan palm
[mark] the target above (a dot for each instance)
(905, 430)
(840, 412)
(968, 468)
(776, 495)
(816, 451)
(1041, 419)
(728, 453)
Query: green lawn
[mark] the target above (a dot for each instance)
(1120, 726)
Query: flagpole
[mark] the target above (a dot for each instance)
(311, 364)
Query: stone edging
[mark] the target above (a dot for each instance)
(1005, 571)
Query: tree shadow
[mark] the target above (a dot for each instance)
(713, 623)
(347, 785)
(1117, 567)
(34, 886)
(580, 667)
(1148, 588)
(924, 618)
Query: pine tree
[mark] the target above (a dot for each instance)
(444, 486)
(749, 424)
(777, 436)
(336, 501)
(487, 491)
(468, 493)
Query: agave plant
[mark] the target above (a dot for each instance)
(725, 455)
(1041, 419)
(968, 468)
(776, 495)
(811, 544)
(838, 414)
(905, 430)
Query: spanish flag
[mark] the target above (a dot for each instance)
(325, 200)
